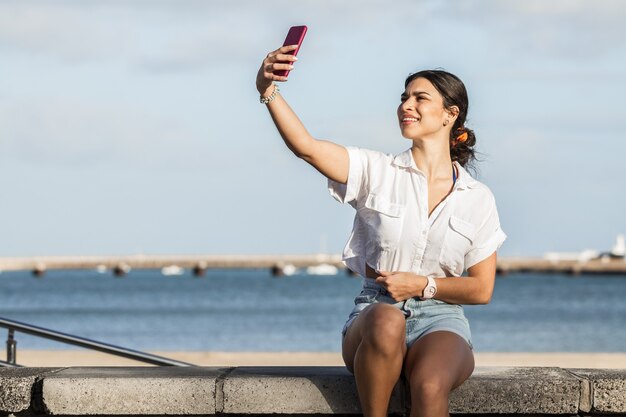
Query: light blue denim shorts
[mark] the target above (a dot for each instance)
(422, 316)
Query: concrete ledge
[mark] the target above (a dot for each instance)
(295, 391)
(532, 390)
(130, 391)
(16, 386)
(607, 389)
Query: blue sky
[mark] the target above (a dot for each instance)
(134, 126)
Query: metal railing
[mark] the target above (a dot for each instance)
(16, 326)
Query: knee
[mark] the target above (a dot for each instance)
(385, 328)
(429, 389)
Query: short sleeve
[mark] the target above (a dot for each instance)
(349, 192)
(488, 239)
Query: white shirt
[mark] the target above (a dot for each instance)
(392, 230)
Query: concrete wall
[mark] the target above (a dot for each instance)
(294, 390)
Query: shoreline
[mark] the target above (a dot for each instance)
(62, 358)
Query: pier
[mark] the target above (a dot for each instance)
(605, 265)
(199, 264)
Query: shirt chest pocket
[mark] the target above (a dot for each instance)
(458, 239)
(383, 219)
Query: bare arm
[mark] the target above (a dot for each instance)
(327, 157)
(476, 288)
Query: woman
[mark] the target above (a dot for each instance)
(421, 220)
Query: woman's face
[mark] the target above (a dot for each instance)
(421, 113)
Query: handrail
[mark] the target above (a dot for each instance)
(4, 364)
(13, 326)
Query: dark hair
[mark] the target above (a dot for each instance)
(454, 93)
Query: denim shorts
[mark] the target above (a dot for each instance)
(422, 316)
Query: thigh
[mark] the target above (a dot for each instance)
(387, 318)
(442, 357)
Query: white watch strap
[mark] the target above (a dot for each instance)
(430, 290)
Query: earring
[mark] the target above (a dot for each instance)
(445, 123)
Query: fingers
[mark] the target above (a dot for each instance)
(283, 50)
(283, 58)
(278, 60)
(278, 66)
(268, 72)
(382, 281)
(384, 277)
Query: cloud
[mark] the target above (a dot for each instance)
(183, 35)
(177, 36)
(68, 32)
(70, 133)
(572, 29)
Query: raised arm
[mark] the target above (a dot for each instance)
(327, 157)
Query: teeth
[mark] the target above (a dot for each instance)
(409, 119)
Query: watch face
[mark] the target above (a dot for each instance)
(430, 291)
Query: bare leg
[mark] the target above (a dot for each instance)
(435, 365)
(374, 349)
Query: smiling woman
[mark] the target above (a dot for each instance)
(421, 220)
(453, 93)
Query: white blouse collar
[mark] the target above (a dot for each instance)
(464, 179)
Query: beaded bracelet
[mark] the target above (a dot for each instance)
(271, 97)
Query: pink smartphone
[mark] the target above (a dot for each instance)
(295, 36)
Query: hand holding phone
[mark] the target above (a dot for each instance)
(295, 36)
(278, 63)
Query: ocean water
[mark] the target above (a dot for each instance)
(249, 310)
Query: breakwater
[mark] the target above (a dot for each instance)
(277, 263)
(605, 266)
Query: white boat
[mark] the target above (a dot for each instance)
(172, 270)
(322, 269)
(618, 251)
(289, 270)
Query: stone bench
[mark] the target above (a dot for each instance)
(294, 390)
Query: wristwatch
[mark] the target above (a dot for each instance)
(430, 290)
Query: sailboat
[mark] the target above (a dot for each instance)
(322, 268)
(619, 249)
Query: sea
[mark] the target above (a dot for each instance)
(252, 311)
